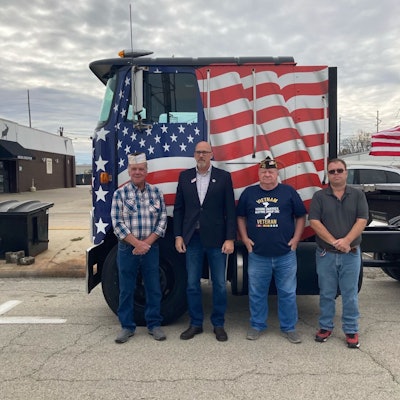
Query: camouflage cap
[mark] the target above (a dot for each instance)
(268, 163)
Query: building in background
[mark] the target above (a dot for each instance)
(31, 159)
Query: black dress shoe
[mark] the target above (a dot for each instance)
(190, 332)
(220, 334)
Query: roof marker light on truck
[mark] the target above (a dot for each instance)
(134, 53)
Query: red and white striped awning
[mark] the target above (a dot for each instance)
(386, 143)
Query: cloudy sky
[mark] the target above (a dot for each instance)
(47, 45)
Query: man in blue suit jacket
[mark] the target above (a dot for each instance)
(205, 223)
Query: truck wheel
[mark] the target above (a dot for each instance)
(360, 277)
(237, 270)
(393, 272)
(109, 280)
(173, 285)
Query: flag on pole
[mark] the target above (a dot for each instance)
(386, 143)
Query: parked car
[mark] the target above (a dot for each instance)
(372, 175)
(381, 185)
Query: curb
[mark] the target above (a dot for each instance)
(42, 270)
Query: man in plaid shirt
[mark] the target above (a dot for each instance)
(139, 218)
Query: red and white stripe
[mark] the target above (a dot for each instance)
(290, 121)
(386, 143)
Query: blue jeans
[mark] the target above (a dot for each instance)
(194, 265)
(128, 266)
(338, 270)
(260, 271)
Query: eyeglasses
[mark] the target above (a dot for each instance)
(338, 170)
(201, 152)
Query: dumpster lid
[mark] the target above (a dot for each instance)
(10, 207)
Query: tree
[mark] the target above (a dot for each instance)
(359, 143)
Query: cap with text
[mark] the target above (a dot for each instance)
(136, 158)
(268, 163)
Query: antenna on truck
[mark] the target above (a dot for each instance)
(130, 25)
(136, 80)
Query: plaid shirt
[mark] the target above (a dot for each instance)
(139, 213)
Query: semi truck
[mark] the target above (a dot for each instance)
(247, 108)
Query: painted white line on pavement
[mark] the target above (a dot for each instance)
(7, 306)
(31, 320)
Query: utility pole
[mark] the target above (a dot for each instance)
(29, 111)
(378, 121)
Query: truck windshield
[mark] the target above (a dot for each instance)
(168, 98)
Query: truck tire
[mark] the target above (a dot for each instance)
(237, 270)
(393, 272)
(172, 278)
(360, 277)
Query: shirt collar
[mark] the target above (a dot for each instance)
(136, 188)
(207, 172)
(330, 190)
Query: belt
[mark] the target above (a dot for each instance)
(352, 250)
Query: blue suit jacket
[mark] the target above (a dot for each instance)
(217, 215)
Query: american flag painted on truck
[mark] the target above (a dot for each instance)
(251, 111)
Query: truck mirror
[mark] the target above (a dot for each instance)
(137, 89)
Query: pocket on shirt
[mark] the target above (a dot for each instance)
(154, 206)
(130, 207)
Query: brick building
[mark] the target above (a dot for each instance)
(31, 159)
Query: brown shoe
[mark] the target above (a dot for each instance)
(220, 334)
(191, 332)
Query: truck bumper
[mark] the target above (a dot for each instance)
(93, 275)
(95, 257)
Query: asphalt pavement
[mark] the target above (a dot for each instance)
(57, 342)
(68, 234)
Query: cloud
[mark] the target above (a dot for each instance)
(46, 48)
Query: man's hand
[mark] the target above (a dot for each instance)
(293, 243)
(141, 248)
(249, 244)
(342, 245)
(180, 245)
(228, 247)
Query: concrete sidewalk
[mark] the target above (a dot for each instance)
(69, 234)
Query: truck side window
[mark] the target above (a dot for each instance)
(108, 99)
(169, 98)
